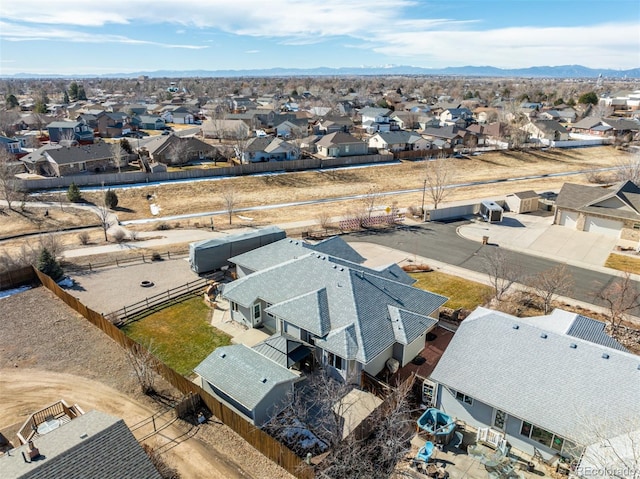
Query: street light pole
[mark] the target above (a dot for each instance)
(424, 191)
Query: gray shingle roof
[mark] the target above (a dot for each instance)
(354, 296)
(338, 138)
(543, 380)
(81, 153)
(587, 199)
(287, 248)
(243, 374)
(108, 451)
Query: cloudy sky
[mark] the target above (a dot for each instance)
(120, 36)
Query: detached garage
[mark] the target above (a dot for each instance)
(612, 211)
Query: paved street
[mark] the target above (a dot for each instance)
(440, 242)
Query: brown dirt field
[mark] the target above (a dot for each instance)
(202, 196)
(32, 220)
(59, 355)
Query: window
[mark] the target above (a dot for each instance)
(464, 398)
(335, 361)
(500, 419)
(636, 226)
(545, 437)
(541, 435)
(234, 307)
(256, 311)
(269, 314)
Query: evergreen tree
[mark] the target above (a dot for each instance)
(73, 91)
(81, 94)
(111, 199)
(39, 107)
(65, 98)
(588, 98)
(11, 102)
(126, 146)
(73, 193)
(49, 265)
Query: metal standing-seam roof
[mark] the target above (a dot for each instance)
(94, 445)
(243, 374)
(558, 382)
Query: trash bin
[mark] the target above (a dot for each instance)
(485, 240)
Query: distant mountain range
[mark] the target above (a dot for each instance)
(564, 71)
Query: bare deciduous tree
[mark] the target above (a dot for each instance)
(370, 199)
(621, 297)
(323, 218)
(229, 199)
(240, 143)
(629, 169)
(104, 216)
(116, 154)
(438, 175)
(8, 181)
(549, 284)
(179, 151)
(501, 270)
(143, 361)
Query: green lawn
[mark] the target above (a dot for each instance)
(623, 263)
(462, 293)
(181, 334)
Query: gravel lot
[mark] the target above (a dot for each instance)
(108, 289)
(48, 352)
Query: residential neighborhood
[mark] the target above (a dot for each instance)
(297, 241)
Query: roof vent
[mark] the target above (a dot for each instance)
(263, 380)
(515, 326)
(84, 435)
(223, 355)
(573, 345)
(543, 335)
(605, 356)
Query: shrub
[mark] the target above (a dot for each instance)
(119, 236)
(163, 226)
(83, 237)
(111, 199)
(155, 256)
(73, 193)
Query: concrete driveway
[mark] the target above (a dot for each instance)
(537, 235)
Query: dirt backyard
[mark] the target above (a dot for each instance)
(48, 352)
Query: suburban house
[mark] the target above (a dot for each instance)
(81, 159)
(450, 134)
(151, 122)
(11, 145)
(341, 144)
(551, 384)
(111, 125)
(608, 127)
(292, 128)
(94, 444)
(328, 125)
(225, 129)
(37, 163)
(611, 211)
(70, 131)
(451, 116)
(175, 150)
(356, 318)
(398, 141)
(370, 114)
(546, 130)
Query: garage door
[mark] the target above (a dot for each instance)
(569, 219)
(603, 226)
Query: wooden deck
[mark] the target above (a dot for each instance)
(435, 345)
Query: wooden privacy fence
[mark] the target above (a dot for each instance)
(17, 277)
(260, 440)
(154, 303)
(422, 154)
(142, 258)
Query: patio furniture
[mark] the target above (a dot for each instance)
(425, 452)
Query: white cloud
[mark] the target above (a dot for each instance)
(387, 28)
(251, 52)
(20, 33)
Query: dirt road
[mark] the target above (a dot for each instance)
(23, 391)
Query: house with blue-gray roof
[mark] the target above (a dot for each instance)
(356, 318)
(556, 385)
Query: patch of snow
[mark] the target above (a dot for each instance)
(10, 292)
